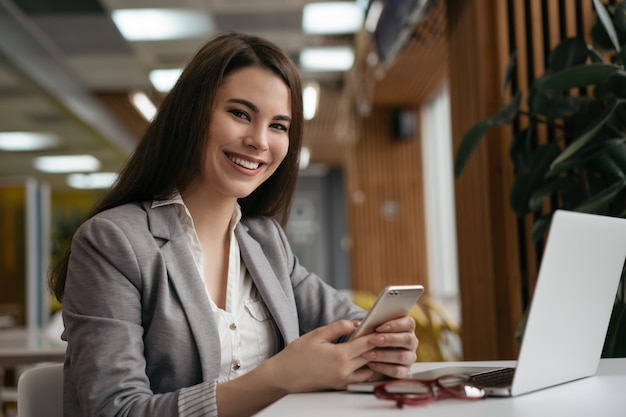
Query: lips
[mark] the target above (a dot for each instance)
(244, 163)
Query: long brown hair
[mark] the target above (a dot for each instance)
(171, 152)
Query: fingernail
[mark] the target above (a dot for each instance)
(383, 328)
(370, 354)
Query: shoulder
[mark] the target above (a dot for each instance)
(267, 232)
(125, 218)
(261, 226)
(123, 213)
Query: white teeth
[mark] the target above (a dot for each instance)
(243, 163)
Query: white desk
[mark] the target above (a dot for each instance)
(602, 395)
(21, 347)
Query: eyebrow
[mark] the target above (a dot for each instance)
(255, 109)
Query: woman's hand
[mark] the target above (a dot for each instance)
(395, 344)
(314, 362)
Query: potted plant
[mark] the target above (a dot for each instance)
(579, 104)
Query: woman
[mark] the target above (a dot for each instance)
(181, 295)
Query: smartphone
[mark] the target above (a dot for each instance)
(392, 302)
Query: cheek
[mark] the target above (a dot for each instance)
(284, 150)
(281, 147)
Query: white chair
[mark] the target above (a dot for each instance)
(40, 392)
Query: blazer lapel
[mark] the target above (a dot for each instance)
(281, 308)
(183, 274)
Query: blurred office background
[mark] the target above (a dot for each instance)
(377, 201)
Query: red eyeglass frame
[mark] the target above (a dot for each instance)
(447, 386)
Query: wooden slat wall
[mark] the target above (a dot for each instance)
(497, 261)
(386, 250)
(487, 267)
(421, 68)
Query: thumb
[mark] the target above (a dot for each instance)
(335, 330)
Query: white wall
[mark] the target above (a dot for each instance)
(437, 154)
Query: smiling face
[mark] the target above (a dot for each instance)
(248, 134)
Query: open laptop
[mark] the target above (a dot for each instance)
(570, 311)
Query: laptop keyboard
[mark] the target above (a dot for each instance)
(497, 378)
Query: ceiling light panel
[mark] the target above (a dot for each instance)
(164, 79)
(96, 180)
(162, 24)
(66, 163)
(328, 18)
(332, 58)
(310, 99)
(27, 141)
(143, 104)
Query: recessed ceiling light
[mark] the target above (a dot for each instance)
(143, 104)
(310, 99)
(27, 141)
(327, 18)
(332, 58)
(162, 24)
(305, 157)
(164, 79)
(373, 15)
(91, 181)
(66, 163)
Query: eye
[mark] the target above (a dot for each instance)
(280, 126)
(239, 114)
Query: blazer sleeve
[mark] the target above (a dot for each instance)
(102, 310)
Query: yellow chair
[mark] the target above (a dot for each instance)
(40, 391)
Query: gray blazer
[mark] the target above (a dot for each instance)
(142, 339)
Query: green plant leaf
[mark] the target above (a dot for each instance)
(603, 91)
(508, 73)
(600, 38)
(556, 106)
(615, 342)
(508, 112)
(594, 55)
(580, 159)
(521, 148)
(587, 135)
(526, 182)
(570, 52)
(607, 167)
(619, 18)
(622, 56)
(598, 202)
(554, 185)
(618, 153)
(607, 22)
(618, 83)
(474, 135)
(469, 142)
(576, 77)
(540, 227)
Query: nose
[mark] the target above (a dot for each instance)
(257, 139)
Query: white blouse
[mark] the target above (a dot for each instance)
(248, 334)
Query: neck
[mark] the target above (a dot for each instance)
(211, 216)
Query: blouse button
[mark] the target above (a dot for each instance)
(233, 326)
(237, 365)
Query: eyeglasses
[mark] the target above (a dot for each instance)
(420, 392)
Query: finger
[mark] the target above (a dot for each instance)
(395, 340)
(399, 325)
(362, 374)
(390, 370)
(391, 356)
